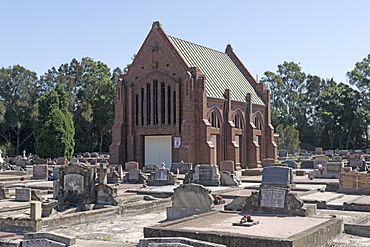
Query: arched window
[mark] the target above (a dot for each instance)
(258, 122)
(238, 121)
(214, 119)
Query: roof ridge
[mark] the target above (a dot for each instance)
(198, 45)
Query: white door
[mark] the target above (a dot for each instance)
(214, 142)
(158, 149)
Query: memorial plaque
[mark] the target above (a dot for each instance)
(272, 198)
(74, 182)
(336, 167)
(40, 171)
(23, 194)
(276, 175)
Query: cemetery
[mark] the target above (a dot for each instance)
(189, 154)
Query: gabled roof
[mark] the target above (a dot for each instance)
(220, 71)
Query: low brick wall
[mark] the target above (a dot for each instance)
(354, 182)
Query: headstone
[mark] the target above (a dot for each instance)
(307, 164)
(229, 179)
(55, 189)
(131, 165)
(272, 198)
(36, 211)
(227, 165)
(95, 155)
(103, 174)
(318, 150)
(277, 176)
(1, 158)
(151, 167)
(40, 171)
(76, 186)
(300, 173)
(283, 153)
(161, 177)
(61, 161)
(134, 176)
(55, 173)
(207, 175)
(330, 169)
(181, 168)
(105, 194)
(189, 199)
(86, 155)
(113, 176)
(23, 194)
(268, 162)
(354, 183)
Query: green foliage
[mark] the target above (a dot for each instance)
(54, 128)
(288, 137)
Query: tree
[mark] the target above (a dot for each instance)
(19, 90)
(54, 128)
(288, 137)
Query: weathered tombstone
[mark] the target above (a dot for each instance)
(307, 164)
(227, 165)
(40, 171)
(354, 183)
(105, 194)
(61, 161)
(131, 165)
(103, 174)
(277, 176)
(161, 177)
(189, 199)
(318, 150)
(331, 169)
(76, 186)
(113, 176)
(207, 175)
(151, 167)
(274, 195)
(283, 153)
(268, 162)
(134, 176)
(181, 168)
(35, 211)
(228, 175)
(55, 173)
(23, 194)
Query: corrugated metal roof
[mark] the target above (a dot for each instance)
(220, 71)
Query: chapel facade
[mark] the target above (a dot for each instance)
(179, 101)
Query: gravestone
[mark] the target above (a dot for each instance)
(268, 162)
(227, 165)
(61, 161)
(318, 150)
(330, 169)
(161, 177)
(76, 186)
(283, 153)
(23, 194)
(103, 170)
(55, 173)
(135, 176)
(40, 171)
(113, 176)
(354, 183)
(189, 199)
(131, 165)
(277, 176)
(228, 175)
(207, 175)
(307, 164)
(274, 196)
(181, 168)
(105, 194)
(151, 167)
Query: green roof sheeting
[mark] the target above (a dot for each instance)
(220, 71)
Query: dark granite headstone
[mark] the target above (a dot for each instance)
(23, 194)
(40, 171)
(277, 176)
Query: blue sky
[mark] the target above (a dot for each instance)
(326, 37)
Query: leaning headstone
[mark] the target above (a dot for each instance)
(113, 176)
(189, 199)
(40, 171)
(207, 175)
(161, 177)
(181, 168)
(130, 165)
(105, 194)
(228, 179)
(23, 194)
(283, 153)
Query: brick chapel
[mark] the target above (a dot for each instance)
(179, 101)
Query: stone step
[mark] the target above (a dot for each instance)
(321, 198)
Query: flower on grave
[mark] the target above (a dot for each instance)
(249, 218)
(243, 220)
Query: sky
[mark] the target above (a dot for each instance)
(327, 37)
